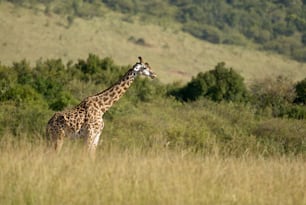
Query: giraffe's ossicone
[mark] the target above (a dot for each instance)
(86, 119)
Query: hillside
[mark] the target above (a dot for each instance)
(176, 56)
(275, 25)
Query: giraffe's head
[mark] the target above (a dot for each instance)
(143, 69)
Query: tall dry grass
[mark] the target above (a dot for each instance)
(29, 174)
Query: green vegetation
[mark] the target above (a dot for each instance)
(218, 84)
(279, 95)
(235, 123)
(30, 33)
(301, 92)
(271, 25)
(274, 25)
(155, 149)
(230, 135)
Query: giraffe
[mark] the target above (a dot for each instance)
(86, 119)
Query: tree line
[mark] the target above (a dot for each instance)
(54, 85)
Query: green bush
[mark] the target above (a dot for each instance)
(283, 45)
(23, 71)
(286, 136)
(296, 112)
(21, 94)
(300, 89)
(303, 39)
(100, 71)
(219, 84)
(299, 54)
(62, 100)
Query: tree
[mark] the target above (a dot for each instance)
(303, 39)
(300, 89)
(219, 84)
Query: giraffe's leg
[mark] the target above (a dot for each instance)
(92, 132)
(55, 132)
(58, 143)
(93, 143)
(56, 139)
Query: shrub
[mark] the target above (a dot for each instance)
(296, 112)
(276, 94)
(101, 71)
(219, 84)
(283, 45)
(300, 89)
(286, 136)
(303, 39)
(23, 71)
(20, 94)
(91, 66)
(299, 54)
(62, 100)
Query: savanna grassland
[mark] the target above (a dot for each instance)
(156, 175)
(235, 134)
(163, 152)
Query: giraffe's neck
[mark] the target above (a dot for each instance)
(112, 94)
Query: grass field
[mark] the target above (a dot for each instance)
(159, 151)
(30, 175)
(149, 156)
(176, 56)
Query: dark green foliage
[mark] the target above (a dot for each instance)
(99, 70)
(303, 39)
(78, 8)
(259, 21)
(91, 66)
(23, 72)
(62, 100)
(296, 111)
(219, 84)
(300, 89)
(299, 54)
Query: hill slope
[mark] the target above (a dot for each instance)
(176, 56)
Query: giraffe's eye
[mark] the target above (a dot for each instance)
(137, 67)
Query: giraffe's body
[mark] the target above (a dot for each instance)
(86, 119)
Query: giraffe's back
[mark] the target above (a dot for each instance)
(66, 124)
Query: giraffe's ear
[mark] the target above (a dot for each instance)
(147, 65)
(140, 59)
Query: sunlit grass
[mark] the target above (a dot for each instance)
(161, 152)
(31, 175)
